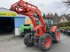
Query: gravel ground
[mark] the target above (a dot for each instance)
(16, 44)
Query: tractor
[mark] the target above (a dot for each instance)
(42, 35)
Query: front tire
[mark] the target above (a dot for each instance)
(45, 42)
(27, 40)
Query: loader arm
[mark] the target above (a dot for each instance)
(28, 9)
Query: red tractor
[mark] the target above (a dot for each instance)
(39, 36)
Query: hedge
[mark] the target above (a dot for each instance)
(65, 28)
(66, 24)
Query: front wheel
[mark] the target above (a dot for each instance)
(27, 40)
(45, 42)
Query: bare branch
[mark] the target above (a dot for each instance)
(67, 2)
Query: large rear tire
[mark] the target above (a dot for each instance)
(27, 40)
(45, 42)
(56, 36)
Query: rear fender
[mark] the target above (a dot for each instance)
(53, 28)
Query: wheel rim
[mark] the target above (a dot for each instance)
(48, 42)
(58, 36)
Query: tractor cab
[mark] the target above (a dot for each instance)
(49, 23)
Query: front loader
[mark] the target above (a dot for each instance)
(39, 35)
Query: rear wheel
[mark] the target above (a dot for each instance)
(45, 42)
(27, 40)
(56, 35)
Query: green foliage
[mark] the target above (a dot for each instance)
(67, 24)
(65, 28)
(44, 16)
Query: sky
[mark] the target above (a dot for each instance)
(46, 6)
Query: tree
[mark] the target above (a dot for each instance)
(56, 15)
(67, 2)
(44, 16)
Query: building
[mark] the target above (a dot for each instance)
(10, 21)
(65, 19)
